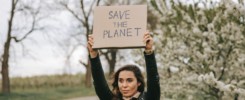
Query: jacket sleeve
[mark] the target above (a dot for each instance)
(100, 84)
(153, 85)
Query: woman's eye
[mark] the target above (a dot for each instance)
(120, 80)
(129, 80)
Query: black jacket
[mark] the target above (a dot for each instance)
(104, 92)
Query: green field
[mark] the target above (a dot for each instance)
(55, 87)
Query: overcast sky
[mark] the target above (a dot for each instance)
(42, 56)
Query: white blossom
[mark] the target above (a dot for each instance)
(203, 51)
(174, 69)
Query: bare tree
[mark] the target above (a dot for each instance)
(83, 16)
(110, 55)
(16, 6)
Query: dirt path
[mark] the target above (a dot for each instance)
(85, 98)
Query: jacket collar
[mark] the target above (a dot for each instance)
(134, 97)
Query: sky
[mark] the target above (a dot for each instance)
(41, 58)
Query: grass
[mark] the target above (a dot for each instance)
(55, 89)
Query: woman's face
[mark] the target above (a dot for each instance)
(127, 83)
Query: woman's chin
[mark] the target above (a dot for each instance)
(127, 95)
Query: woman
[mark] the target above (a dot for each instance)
(128, 81)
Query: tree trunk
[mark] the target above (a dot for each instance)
(5, 66)
(112, 62)
(88, 75)
(6, 82)
(112, 68)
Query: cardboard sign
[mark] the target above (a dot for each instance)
(119, 26)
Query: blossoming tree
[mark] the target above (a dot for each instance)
(201, 49)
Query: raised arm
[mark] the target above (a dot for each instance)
(153, 85)
(100, 84)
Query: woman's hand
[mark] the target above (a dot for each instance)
(148, 41)
(93, 53)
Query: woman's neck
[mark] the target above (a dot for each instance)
(136, 95)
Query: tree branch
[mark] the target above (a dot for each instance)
(224, 63)
(98, 1)
(73, 13)
(16, 1)
(90, 9)
(106, 54)
(34, 14)
(28, 33)
(1, 58)
(83, 10)
(236, 96)
(72, 51)
(84, 64)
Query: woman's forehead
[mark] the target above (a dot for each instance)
(126, 74)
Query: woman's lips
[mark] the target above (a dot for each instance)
(125, 91)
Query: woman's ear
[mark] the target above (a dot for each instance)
(138, 83)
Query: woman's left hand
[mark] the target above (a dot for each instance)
(148, 41)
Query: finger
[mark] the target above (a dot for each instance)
(146, 40)
(145, 34)
(91, 43)
(89, 46)
(91, 39)
(90, 36)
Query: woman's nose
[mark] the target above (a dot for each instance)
(125, 84)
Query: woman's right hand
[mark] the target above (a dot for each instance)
(93, 53)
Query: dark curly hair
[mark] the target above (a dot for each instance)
(137, 74)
